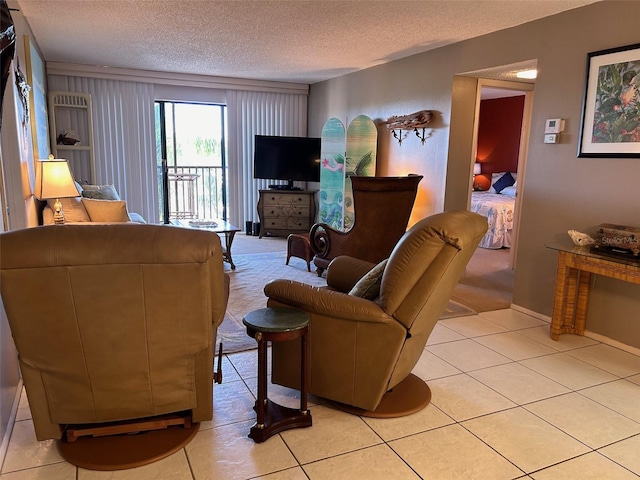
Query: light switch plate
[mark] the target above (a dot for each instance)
(551, 138)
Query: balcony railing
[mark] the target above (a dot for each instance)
(195, 192)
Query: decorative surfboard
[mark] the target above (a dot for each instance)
(332, 173)
(362, 141)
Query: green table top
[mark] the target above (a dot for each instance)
(276, 320)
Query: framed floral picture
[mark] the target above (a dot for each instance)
(610, 125)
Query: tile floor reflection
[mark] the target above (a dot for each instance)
(507, 403)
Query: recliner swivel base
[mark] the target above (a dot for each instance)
(410, 396)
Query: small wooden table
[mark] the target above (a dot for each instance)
(575, 266)
(221, 227)
(276, 325)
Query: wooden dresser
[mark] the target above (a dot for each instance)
(282, 212)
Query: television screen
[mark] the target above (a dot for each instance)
(287, 158)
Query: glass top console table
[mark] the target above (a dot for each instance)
(575, 266)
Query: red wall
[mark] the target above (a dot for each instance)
(499, 125)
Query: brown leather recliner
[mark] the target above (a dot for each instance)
(360, 348)
(382, 206)
(113, 322)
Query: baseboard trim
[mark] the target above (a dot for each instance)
(531, 313)
(612, 343)
(593, 335)
(10, 423)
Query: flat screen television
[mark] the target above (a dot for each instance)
(286, 158)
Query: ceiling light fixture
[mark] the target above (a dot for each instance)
(528, 74)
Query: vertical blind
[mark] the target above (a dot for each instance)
(124, 138)
(250, 114)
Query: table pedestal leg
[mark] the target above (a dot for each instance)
(271, 417)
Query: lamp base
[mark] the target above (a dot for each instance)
(58, 214)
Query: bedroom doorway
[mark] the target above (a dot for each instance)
(502, 149)
(489, 278)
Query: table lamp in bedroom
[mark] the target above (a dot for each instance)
(477, 170)
(54, 180)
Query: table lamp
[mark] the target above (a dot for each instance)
(477, 170)
(54, 180)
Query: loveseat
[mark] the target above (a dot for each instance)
(95, 204)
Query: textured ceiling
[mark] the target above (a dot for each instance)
(294, 41)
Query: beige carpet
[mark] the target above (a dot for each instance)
(252, 272)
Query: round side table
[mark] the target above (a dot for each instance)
(277, 325)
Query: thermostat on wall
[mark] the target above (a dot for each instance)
(554, 125)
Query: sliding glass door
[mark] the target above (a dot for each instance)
(190, 152)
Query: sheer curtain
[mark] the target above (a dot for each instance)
(124, 137)
(251, 113)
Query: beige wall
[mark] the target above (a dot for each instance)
(561, 191)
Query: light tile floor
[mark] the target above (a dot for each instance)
(507, 403)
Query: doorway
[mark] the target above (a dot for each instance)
(488, 282)
(191, 160)
(494, 152)
(491, 273)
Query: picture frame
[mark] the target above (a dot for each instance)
(36, 78)
(610, 123)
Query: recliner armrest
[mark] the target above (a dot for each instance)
(344, 272)
(326, 302)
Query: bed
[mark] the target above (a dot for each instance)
(497, 204)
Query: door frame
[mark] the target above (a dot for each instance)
(528, 90)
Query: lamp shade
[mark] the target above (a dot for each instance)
(477, 169)
(54, 180)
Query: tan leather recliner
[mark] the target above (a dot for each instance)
(358, 348)
(113, 322)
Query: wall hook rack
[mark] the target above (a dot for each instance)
(398, 135)
(413, 121)
(424, 135)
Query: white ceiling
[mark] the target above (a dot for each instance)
(282, 40)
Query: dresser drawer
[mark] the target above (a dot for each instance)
(286, 199)
(286, 211)
(294, 223)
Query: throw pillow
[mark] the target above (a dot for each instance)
(509, 191)
(72, 208)
(106, 211)
(100, 192)
(369, 286)
(505, 181)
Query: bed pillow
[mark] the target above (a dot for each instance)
(509, 191)
(369, 286)
(497, 175)
(505, 181)
(100, 192)
(106, 211)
